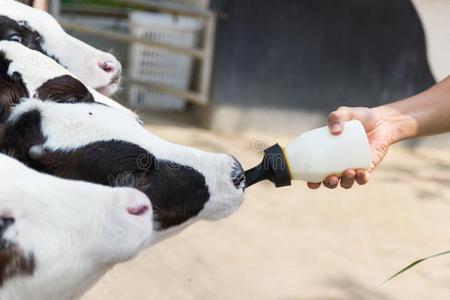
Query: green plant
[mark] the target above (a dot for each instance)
(412, 265)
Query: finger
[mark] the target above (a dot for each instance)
(362, 176)
(331, 182)
(348, 179)
(337, 118)
(314, 185)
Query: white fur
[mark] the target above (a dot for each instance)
(37, 68)
(75, 230)
(80, 58)
(69, 126)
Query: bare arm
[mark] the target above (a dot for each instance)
(423, 114)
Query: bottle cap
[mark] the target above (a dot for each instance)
(274, 167)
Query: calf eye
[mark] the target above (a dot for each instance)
(14, 38)
(5, 223)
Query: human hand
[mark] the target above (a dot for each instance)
(378, 134)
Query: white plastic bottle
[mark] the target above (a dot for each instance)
(313, 156)
(316, 154)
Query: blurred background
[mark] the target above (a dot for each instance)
(240, 75)
(224, 64)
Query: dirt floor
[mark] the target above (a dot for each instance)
(294, 243)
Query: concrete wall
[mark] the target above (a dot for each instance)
(435, 17)
(199, 3)
(302, 58)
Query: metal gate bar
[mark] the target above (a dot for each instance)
(204, 54)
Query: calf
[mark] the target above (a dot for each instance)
(58, 237)
(82, 139)
(27, 73)
(38, 30)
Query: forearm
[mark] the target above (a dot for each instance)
(423, 114)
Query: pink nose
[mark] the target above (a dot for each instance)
(138, 210)
(138, 205)
(109, 66)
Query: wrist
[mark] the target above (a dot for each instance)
(399, 125)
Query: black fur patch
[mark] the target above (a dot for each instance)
(5, 223)
(177, 192)
(13, 261)
(30, 38)
(20, 135)
(12, 88)
(64, 89)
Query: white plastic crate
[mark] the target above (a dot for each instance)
(158, 66)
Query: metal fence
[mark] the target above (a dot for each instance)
(204, 54)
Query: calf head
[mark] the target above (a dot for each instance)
(57, 237)
(25, 73)
(103, 145)
(38, 30)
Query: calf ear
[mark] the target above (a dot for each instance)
(12, 89)
(20, 135)
(64, 89)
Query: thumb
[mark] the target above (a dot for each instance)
(337, 118)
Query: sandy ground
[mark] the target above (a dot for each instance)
(294, 243)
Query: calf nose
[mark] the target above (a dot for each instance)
(237, 175)
(110, 66)
(138, 204)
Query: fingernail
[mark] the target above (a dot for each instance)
(336, 127)
(332, 181)
(349, 176)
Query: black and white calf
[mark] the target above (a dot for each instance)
(58, 237)
(81, 139)
(38, 30)
(27, 73)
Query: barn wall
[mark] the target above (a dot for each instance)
(435, 19)
(317, 55)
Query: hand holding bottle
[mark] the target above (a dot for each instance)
(426, 113)
(378, 135)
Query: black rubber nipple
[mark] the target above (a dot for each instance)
(273, 167)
